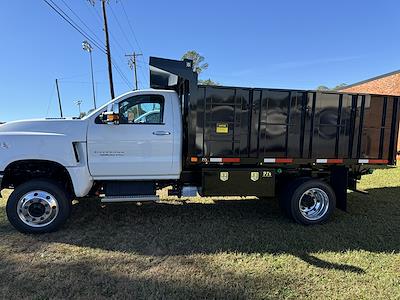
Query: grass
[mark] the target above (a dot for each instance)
(207, 248)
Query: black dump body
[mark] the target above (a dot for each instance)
(256, 125)
(269, 123)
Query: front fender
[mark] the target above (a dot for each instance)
(36, 146)
(48, 147)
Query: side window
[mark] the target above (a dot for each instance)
(144, 109)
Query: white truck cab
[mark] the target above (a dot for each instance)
(143, 143)
(137, 147)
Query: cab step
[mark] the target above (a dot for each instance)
(140, 198)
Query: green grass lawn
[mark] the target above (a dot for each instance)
(208, 248)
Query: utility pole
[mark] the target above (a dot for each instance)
(59, 99)
(110, 75)
(78, 103)
(132, 64)
(87, 47)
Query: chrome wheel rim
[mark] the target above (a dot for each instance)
(314, 204)
(37, 208)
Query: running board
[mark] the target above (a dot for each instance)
(361, 192)
(141, 198)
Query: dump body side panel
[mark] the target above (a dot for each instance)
(271, 123)
(280, 124)
(253, 123)
(378, 128)
(226, 122)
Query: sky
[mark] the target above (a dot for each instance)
(276, 44)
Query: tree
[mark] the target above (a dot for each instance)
(208, 82)
(323, 88)
(199, 65)
(198, 61)
(339, 86)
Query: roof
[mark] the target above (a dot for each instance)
(370, 79)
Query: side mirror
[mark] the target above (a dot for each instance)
(112, 117)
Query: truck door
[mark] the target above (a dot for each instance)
(141, 146)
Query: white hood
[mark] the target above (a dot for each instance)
(45, 139)
(75, 129)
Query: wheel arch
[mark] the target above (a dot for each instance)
(20, 171)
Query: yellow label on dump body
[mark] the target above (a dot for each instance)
(222, 128)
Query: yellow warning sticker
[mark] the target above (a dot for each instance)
(222, 128)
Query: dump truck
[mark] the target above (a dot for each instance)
(305, 148)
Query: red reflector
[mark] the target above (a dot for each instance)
(284, 160)
(231, 160)
(335, 161)
(378, 161)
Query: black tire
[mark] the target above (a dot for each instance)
(48, 186)
(292, 195)
(286, 193)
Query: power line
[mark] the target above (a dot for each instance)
(108, 52)
(133, 65)
(88, 82)
(97, 15)
(69, 20)
(131, 28)
(63, 15)
(122, 75)
(120, 27)
(84, 24)
(135, 37)
(100, 21)
(80, 75)
(142, 71)
(139, 62)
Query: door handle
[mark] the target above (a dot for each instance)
(161, 133)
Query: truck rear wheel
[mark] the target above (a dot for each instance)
(309, 202)
(38, 206)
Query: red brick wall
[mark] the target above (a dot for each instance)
(389, 85)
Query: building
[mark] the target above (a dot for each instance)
(386, 84)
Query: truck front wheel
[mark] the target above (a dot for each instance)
(309, 202)
(38, 206)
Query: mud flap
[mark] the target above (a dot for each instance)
(339, 180)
